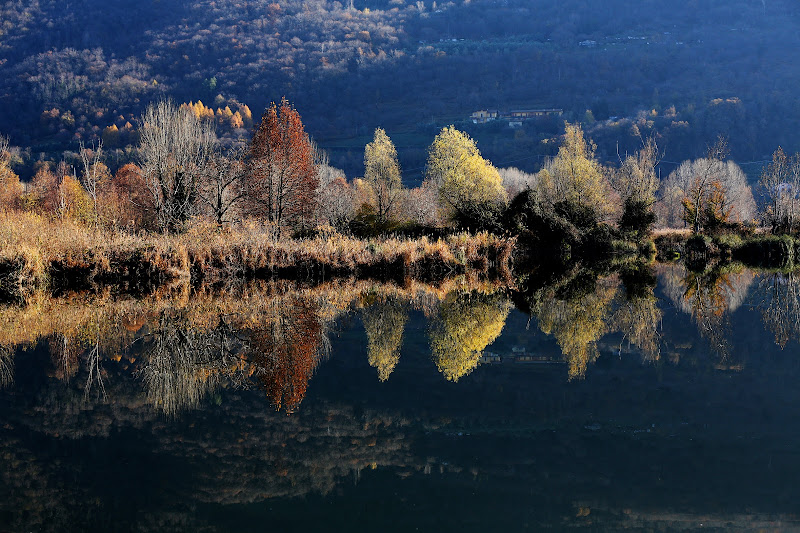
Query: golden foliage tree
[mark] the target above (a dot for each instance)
(575, 175)
(382, 173)
(464, 179)
(463, 327)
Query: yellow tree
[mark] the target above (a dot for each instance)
(575, 175)
(465, 180)
(382, 173)
(464, 327)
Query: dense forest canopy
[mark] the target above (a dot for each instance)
(686, 70)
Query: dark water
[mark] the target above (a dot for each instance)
(584, 402)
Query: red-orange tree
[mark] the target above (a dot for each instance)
(282, 178)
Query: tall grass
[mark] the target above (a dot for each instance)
(38, 252)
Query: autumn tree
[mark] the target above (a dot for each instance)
(575, 179)
(382, 173)
(463, 327)
(175, 148)
(636, 182)
(338, 207)
(281, 176)
(712, 191)
(128, 202)
(780, 185)
(337, 198)
(384, 323)
(10, 186)
(420, 205)
(470, 188)
(59, 194)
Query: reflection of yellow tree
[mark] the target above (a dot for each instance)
(638, 319)
(464, 327)
(577, 323)
(781, 310)
(384, 323)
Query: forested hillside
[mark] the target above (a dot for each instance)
(687, 70)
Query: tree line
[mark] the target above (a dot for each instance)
(282, 178)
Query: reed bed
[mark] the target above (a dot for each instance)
(37, 252)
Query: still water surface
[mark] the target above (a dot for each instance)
(658, 399)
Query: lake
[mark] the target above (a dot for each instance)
(645, 398)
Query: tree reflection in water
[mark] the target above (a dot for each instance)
(180, 364)
(273, 336)
(384, 323)
(709, 297)
(463, 327)
(577, 316)
(285, 350)
(780, 306)
(638, 316)
(6, 366)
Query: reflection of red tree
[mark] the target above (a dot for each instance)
(286, 351)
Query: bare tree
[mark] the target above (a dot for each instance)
(708, 188)
(93, 172)
(222, 187)
(174, 150)
(515, 180)
(780, 184)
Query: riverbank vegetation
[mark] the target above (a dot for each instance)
(190, 208)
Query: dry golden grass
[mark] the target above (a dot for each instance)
(250, 250)
(36, 251)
